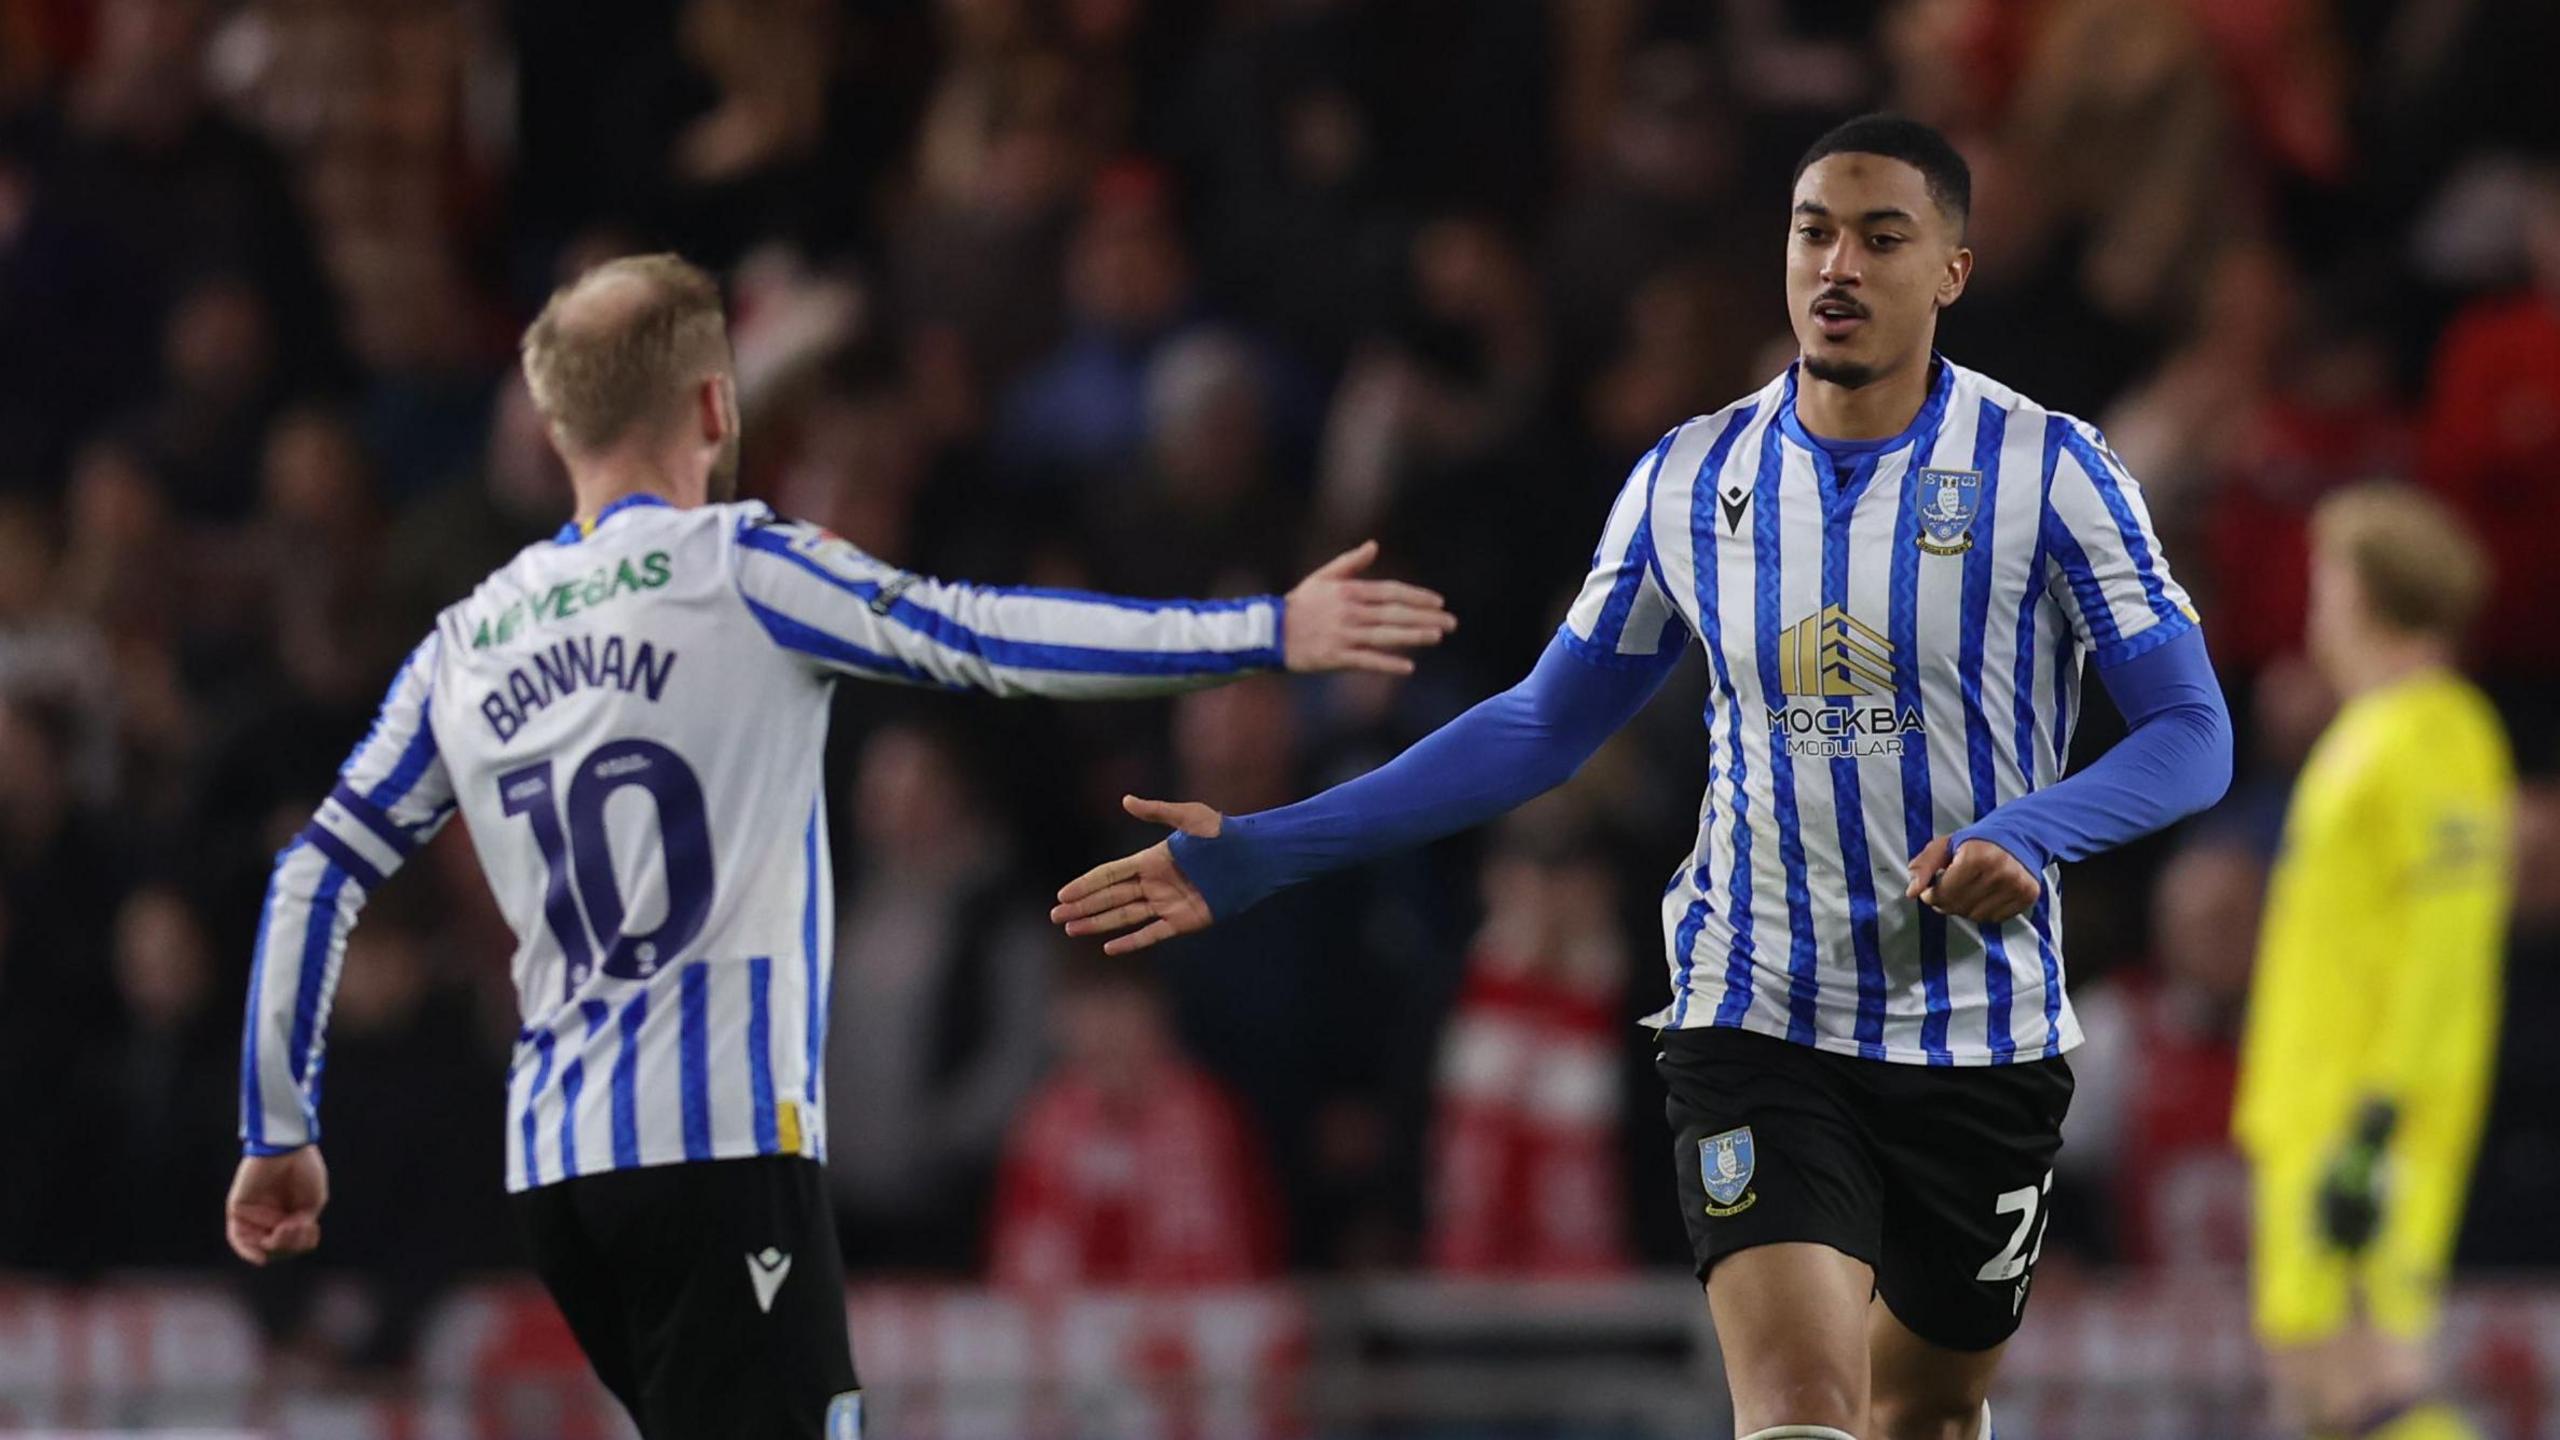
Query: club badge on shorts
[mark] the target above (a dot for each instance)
(1724, 1166)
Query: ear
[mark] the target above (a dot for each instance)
(1959, 271)
(715, 405)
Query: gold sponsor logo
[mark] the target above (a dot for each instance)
(1824, 659)
(1834, 653)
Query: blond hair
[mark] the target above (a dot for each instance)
(613, 347)
(2418, 564)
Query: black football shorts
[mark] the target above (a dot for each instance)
(709, 1296)
(1937, 1176)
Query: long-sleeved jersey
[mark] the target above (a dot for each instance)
(2380, 957)
(1894, 633)
(631, 720)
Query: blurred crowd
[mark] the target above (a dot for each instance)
(1166, 297)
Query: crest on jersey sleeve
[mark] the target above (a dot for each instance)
(829, 548)
(1948, 500)
(1725, 1164)
(820, 543)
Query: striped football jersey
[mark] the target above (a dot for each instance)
(1894, 634)
(631, 720)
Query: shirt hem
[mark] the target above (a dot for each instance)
(1887, 1055)
(748, 1150)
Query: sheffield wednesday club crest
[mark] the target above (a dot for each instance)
(1948, 500)
(1725, 1163)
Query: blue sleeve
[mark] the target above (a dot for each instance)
(1507, 750)
(2174, 760)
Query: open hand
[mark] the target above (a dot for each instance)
(274, 1209)
(1982, 882)
(1336, 621)
(1144, 889)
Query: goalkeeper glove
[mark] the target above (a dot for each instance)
(2352, 1192)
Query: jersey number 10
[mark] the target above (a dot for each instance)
(582, 901)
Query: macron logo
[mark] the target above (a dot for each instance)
(765, 1271)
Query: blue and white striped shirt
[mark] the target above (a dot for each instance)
(1894, 635)
(632, 721)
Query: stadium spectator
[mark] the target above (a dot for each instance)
(2492, 447)
(162, 1090)
(206, 428)
(1129, 1166)
(1129, 287)
(937, 1026)
(2177, 426)
(2150, 1128)
(2329, 420)
(1658, 201)
(1525, 1175)
(146, 163)
(1202, 502)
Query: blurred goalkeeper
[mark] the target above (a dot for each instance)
(2374, 1012)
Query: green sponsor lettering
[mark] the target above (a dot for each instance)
(563, 600)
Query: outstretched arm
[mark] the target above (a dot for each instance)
(1517, 745)
(820, 596)
(1620, 639)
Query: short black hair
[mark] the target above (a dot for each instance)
(1897, 137)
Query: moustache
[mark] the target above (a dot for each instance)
(1841, 298)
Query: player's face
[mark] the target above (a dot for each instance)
(1871, 259)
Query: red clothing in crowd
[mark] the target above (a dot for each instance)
(2492, 447)
(1171, 1190)
(2182, 1190)
(2260, 535)
(1526, 1179)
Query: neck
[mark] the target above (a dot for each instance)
(2385, 661)
(599, 482)
(1878, 410)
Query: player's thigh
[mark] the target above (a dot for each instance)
(1967, 1162)
(1767, 1146)
(741, 1320)
(1789, 1325)
(1778, 1188)
(1923, 1391)
(582, 1283)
